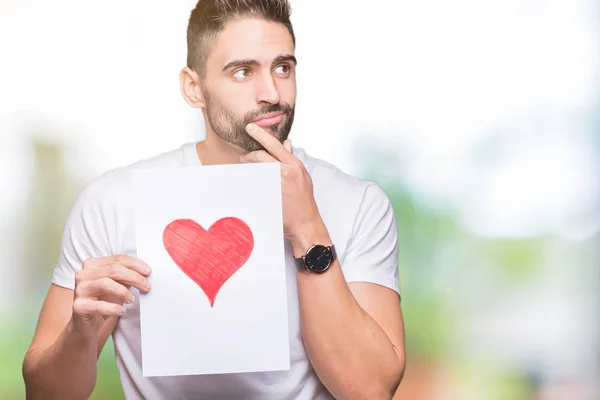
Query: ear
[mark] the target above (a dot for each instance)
(191, 90)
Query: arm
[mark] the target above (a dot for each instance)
(59, 363)
(84, 302)
(353, 333)
(74, 326)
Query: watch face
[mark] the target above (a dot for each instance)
(319, 258)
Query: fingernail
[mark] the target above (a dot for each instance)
(147, 268)
(251, 127)
(130, 299)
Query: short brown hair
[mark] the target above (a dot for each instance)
(209, 17)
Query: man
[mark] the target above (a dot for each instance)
(346, 328)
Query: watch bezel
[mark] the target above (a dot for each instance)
(313, 266)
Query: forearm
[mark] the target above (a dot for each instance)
(350, 352)
(64, 370)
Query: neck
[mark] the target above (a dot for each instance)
(213, 150)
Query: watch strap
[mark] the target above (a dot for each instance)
(333, 253)
(300, 264)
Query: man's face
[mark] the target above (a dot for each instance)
(251, 77)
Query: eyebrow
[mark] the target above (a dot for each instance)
(250, 62)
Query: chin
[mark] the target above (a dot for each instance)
(279, 136)
(249, 144)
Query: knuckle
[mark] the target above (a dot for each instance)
(87, 263)
(105, 284)
(79, 277)
(78, 307)
(79, 291)
(120, 258)
(113, 271)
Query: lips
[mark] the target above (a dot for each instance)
(269, 119)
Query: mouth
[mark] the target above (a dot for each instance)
(269, 119)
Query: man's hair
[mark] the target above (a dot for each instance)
(209, 17)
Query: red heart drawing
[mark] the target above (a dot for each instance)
(210, 257)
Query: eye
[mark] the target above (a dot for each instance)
(283, 69)
(241, 73)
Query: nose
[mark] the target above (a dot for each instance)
(266, 91)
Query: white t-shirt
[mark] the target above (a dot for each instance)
(360, 221)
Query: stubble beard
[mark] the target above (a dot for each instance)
(232, 129)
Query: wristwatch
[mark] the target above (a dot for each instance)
(318, 258)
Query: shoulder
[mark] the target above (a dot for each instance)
(120, 177)
(330, 178)
(108, 189)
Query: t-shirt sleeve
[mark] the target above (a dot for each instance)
(86, 232)
(372, 253)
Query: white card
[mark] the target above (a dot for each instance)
(213, 236)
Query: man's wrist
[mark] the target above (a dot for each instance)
(79, 336)
(311, 233)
